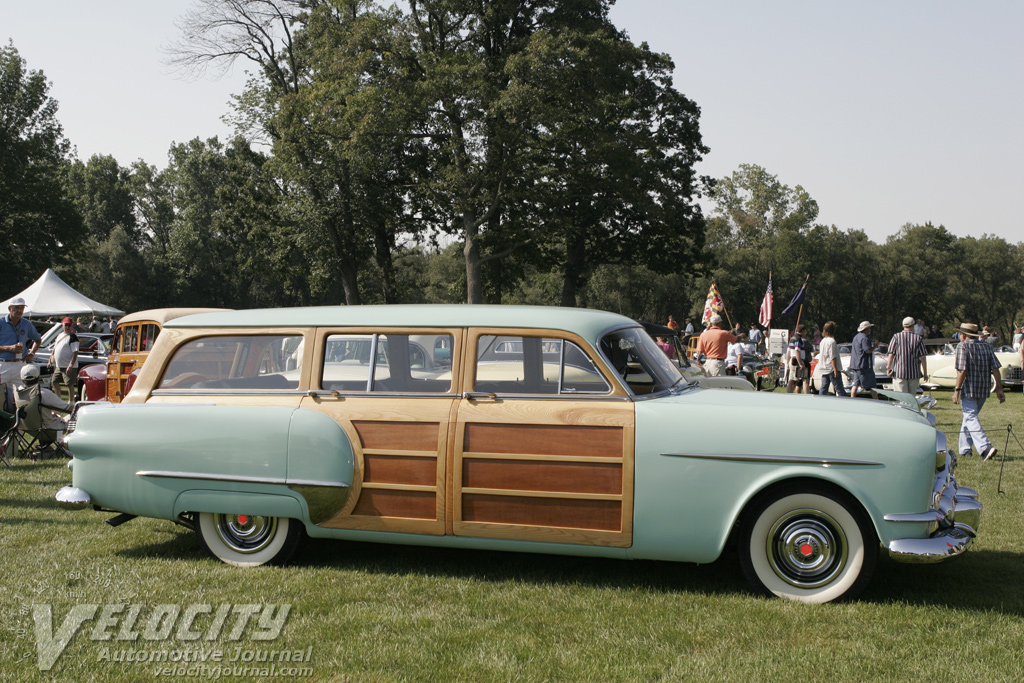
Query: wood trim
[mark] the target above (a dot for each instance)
(399, 487)
(405, 454)
(570, 513)
(397, 435)
(561, 495)
(579, 440)
(608, 539)
(526, 457)
(542, 477)
(396, 503)
(390, 469)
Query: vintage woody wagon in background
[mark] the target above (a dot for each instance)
(134, 336)
(510, 428)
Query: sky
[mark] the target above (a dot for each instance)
(885, 112)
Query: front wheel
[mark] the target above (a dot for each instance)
(808, 544)
(249, 540)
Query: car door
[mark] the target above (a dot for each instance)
(543, 442)
(392, 391)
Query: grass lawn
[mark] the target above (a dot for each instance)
(366, 612)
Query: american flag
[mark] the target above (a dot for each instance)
(765, 316)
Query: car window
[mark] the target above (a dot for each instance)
(130, 339)
(235, 362)
(535, 365)
(395, 362)
(148, 335)
(638, 360)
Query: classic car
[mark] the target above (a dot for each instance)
(942, 371)
(93, 348)
(880, 361)
(236, 429)
(131, 341)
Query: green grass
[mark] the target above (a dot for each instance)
(392, 613)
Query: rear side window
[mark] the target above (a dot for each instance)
(259, 362)
(535, 365)
(387, 363)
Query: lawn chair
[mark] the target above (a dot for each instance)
(8, 436)
(35, 440)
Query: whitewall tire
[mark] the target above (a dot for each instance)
(807, 543)
(249, 540)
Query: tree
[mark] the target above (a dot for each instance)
(38, 223)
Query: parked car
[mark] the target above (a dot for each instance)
(880, 363)
(584, 440)
(942, 370)
(93, 349)
(110, 379)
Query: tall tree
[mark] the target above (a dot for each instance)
(38, 222)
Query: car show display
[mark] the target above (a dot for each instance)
(531, 429)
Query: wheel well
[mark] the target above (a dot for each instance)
(805, 483)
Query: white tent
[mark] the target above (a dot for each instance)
(49, 295)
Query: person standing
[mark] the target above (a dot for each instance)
(798, 377)
(19, 341)
(828, 359)
(714, 344)
(976, 367)
(755, 336)
(907, 359)
(672, 323)
(862, 362)
(688, 330)
(65, 360)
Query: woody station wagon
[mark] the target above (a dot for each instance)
(508, 428)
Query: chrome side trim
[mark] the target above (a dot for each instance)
(777, 459)
(170, 474)
(228, 392)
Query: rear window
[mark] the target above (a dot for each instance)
(262, 362)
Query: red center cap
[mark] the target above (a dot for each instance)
(242, 519)
(806, 550)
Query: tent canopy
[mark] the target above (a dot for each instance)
(49, 295)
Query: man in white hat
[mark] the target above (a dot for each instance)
(862, 362)
(907, 359)
(714, 344)
(19, 341)
(976, 367)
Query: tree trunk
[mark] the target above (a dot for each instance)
(382, 255)
(575, 262)
(471, 251)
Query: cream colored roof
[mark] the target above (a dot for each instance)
(162, 315)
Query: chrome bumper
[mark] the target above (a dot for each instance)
(953, 521)
(71, 498)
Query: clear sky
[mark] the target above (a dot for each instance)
(885, 112)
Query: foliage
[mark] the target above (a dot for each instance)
(39, 225)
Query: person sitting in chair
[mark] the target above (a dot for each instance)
(40, 401)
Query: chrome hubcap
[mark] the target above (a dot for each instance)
(806, 548)
(245, 533)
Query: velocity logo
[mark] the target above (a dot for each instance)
(128, 622)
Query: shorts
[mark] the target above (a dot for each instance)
(797, 373)
(863, 379)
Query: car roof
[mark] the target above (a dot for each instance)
(162, 315)
(586, 322)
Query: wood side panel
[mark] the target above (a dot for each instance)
(389, 469)
(605, 515)
(402, 436)
(385, 503)
(544, 439)
(529, 475)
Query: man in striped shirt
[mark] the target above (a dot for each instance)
(907, 362)
(976, 368)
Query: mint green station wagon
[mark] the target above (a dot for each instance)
(528, 429)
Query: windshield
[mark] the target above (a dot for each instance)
(638, 360)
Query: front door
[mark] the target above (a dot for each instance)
(543, 442)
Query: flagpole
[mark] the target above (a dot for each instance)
(800, 312)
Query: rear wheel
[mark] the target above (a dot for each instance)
(249, 540)
(806, 543)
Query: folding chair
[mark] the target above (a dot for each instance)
(8, 436)
(36, 441)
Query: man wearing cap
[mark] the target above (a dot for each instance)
(714, 344)
(907, 362)
(65, 360)
(19, 341)
(862, 363)
(976, 367)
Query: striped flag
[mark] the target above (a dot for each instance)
(765, 316)
(713, 304)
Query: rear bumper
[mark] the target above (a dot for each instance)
(952, 521)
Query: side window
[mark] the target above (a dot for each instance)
(130, 342)
(115, 346)
(148, 336)
(235, 362)
(395, 362)
(535, 365)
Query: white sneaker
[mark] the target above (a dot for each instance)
(989, 453)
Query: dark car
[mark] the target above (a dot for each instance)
(93, 348)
